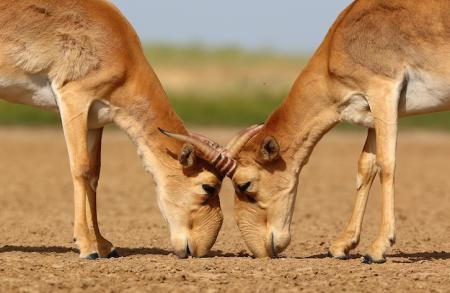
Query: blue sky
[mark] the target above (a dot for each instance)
(284, 25)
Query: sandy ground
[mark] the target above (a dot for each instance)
(36, 253)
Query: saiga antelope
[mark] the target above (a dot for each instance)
(83, 60)
(381, 60)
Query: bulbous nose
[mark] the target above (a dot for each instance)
(181, 246)
(187, 251)
(278, 242)
(181, 252)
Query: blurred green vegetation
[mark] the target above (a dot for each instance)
(220, 86)
(11, 114)
(226, 110)
(199, 54)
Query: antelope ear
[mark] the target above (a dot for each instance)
(187, 155)
(269, 149)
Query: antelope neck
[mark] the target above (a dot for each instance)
(301, 121)
(141, 118)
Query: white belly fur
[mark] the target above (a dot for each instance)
(36, 90)
(424, 93)
(33, 90)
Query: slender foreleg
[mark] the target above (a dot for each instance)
(385, 112)
(84, 154)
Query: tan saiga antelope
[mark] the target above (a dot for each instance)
(83, 60)
(381, 60)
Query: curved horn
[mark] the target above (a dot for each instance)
(238, 142)
(207, 150)
(204, 150)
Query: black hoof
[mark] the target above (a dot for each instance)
(367, 259)
(92, 256)
(113, 254)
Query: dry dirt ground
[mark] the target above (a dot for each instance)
(36, 253)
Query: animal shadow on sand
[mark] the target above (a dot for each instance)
(38, 249)
(123, 251)
(158, 251)
(397, 257)
(419, 256)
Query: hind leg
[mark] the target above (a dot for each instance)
(367, 170)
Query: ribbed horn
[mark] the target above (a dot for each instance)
(207, 150)
(202, 149)
(238, 142)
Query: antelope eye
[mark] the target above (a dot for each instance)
(243, 187)
(210, 189)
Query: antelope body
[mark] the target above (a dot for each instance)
(83, 60)
(381, 60)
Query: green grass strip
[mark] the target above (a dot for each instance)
(218, 111)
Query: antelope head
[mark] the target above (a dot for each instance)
(264, 192)
(194, 219)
